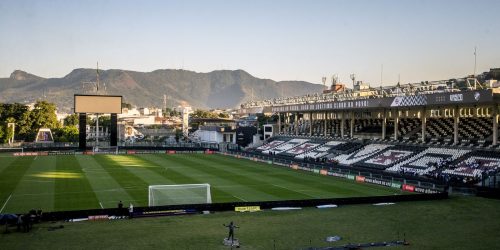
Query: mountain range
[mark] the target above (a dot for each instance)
(216, 89)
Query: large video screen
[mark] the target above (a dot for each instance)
(98, 104)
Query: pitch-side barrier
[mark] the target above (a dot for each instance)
(109, 213)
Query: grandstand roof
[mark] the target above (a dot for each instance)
(467, 97)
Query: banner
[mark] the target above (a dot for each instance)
(98, 217)
(170, 152)
(323, 172)
(337, 174)
(378, 182)
(247, 209)
(360, 178)
(426, 190)
(395, 184)
(408, 188)
(25, 154)
(305, 168)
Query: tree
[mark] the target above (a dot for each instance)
(17, 113)
(2, 138)
(66, 134)
(171, 112)
(24, 127)
(223, 115)
(44, 116)
(126, 105)
(104, 121)
(71, 120)
(14, 110)
(264, 119)
(199, 113)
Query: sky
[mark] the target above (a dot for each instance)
(379, 41)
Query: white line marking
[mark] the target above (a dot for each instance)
(101, 204)
(35, 158)
(5, 203)
(297, 191)
(239, 198)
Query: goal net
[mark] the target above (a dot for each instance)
(163, 195)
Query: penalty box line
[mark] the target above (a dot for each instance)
(1, 210)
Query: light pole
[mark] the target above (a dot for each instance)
(97, 132)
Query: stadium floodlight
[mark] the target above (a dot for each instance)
(164, 195)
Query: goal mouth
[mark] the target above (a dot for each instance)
(179, 194)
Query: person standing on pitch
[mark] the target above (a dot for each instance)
(130, 211)
(231, 228)
(120, 209)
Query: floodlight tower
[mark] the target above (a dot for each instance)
(323, 79)
(475, 60)
(97, 114)
(335, 79)
(95, 86)
(165, 102)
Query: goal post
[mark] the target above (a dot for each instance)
(164, 195)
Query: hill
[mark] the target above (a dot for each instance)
(216, 89)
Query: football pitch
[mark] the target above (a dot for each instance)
(75, 182)
(455, 223)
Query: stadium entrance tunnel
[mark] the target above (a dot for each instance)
(220, 207)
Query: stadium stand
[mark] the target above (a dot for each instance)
(439, 129)
(475, 165)
(427, 160)
(301, 149)
(321, 151)
(285, 146)
(361, 154)
(272, 143)
(391, 156)
(423, 160)
(408, 127)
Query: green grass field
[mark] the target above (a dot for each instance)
(456, 223)
(73, 182)
(84, 182)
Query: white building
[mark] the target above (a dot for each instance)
(215, 130)
(186, 111)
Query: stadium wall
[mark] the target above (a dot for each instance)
(104, 214)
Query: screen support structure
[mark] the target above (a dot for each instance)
(98, 105)
(96, 148)
(82, 136)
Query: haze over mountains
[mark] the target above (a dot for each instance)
(216, 89)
